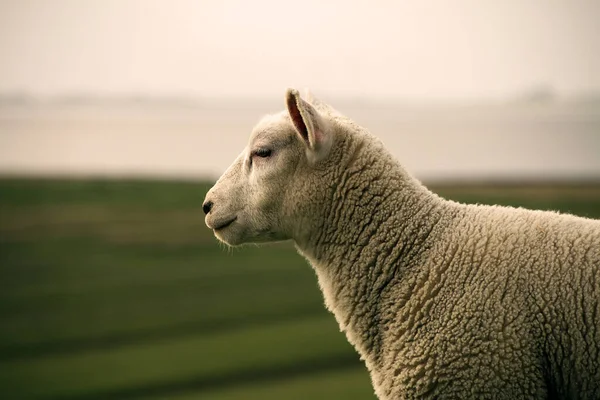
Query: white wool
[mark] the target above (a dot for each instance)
(441, 300)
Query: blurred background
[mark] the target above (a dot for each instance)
(116, 116)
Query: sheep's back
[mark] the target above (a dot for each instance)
(565, 292)
(507, 302)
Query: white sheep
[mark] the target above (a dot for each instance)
(441, 299)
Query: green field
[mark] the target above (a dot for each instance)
(116, 289)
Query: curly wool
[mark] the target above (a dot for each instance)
(441, 299)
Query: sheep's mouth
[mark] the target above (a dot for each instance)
(224, 224)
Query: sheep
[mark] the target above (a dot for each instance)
(440, 299)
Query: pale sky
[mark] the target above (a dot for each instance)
(406, 49)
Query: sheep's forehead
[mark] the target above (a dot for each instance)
(272, 128)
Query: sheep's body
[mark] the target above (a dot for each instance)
(442, 300)
(448, 300)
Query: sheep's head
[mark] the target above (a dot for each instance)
(277, 180)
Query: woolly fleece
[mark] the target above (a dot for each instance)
(441, 299)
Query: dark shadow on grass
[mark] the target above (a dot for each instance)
(195, 328)
(205, 384)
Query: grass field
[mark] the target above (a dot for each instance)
(117, 290)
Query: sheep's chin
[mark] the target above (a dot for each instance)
(229, 236)
(236, 235)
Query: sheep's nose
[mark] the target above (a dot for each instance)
(207, 206)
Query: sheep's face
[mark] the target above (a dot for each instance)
(260, 196)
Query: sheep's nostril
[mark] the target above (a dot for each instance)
(206, 207)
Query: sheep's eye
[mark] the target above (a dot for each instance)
(262, 153)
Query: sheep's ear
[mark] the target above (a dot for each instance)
(309, 124)
(307, 95)
(319, 105)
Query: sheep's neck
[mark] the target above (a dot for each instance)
(373, 235)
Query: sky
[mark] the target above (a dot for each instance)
(376, 48)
